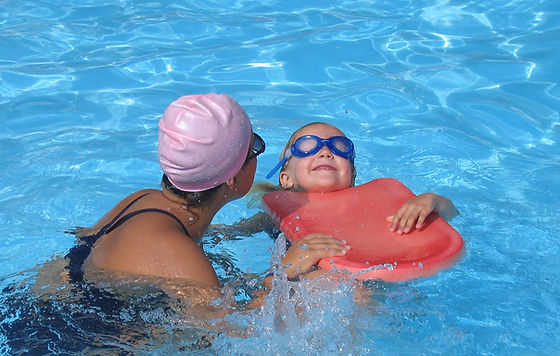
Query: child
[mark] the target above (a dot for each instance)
(320, 158)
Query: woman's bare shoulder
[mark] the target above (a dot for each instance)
(157, 247)
(82, 231)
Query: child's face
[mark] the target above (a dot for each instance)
(322, 172)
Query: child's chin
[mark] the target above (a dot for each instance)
(324, 187)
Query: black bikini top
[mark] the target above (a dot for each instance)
(78, 253)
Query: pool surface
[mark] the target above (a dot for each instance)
(455, 97)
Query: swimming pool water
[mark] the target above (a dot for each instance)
(456, 97)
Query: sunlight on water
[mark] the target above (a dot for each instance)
(461, 98)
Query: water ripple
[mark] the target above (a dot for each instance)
(461, 98)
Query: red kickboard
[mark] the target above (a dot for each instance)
(358, 215)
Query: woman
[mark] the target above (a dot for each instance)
(207, 151)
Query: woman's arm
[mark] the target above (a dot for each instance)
(244, 227)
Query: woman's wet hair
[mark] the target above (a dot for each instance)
(193, 199)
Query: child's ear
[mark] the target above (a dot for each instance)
(286, 182)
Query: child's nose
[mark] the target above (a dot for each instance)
(325, 152)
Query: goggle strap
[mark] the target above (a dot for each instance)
(277, 167)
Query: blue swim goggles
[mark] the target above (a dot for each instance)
(309, 145)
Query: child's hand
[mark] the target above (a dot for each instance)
(305, 253)
(413, 213)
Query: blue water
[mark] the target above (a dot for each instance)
(457, 97)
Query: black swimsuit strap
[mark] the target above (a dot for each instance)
(149, 210)
(78, 253)
(117, 220)
(106, 228)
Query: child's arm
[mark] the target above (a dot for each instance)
(415, 211)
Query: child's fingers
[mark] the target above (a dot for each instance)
(411, 219)
(395, 221)
(412, 213)
(422, 218)
(405, 224)
(400, 219)
(408, 216)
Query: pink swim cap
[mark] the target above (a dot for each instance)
(203, 141)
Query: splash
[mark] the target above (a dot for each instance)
(303, 317)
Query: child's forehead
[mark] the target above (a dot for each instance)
(321, 130)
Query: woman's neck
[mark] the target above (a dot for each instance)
(196, 219)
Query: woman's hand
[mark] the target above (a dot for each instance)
(414, 212)
(305, 253)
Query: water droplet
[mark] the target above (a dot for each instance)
(388, 266)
